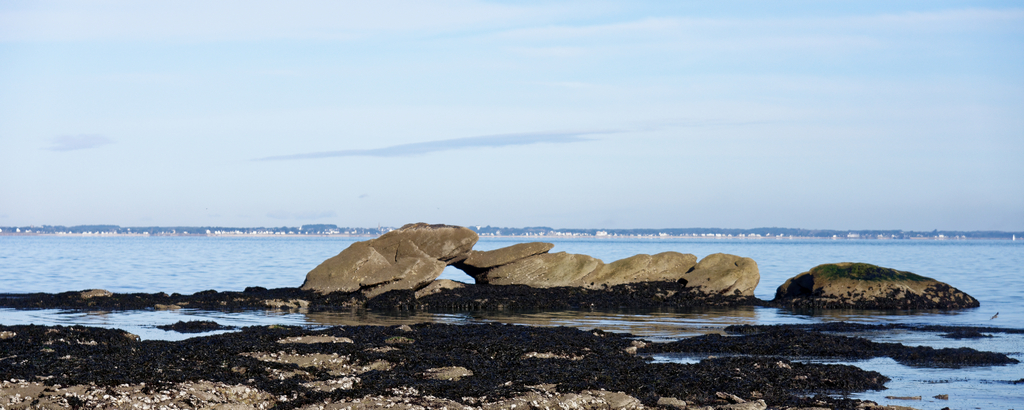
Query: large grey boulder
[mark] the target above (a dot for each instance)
(407, 258)
(442, 242)
(866, 286)
(352, 269)
(724, 274)
(662, 267)
(478, 262)
(546, 270)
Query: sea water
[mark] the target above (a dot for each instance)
(991, 271)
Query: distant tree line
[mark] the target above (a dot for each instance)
(763, 232)
(331, 229)
(318, 229)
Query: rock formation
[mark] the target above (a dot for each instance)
(413, 256)
(529, 264)
(407, 258)
(866, 286)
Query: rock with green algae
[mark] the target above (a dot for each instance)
(866, 286)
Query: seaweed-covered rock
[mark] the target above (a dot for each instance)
(407, 258)
(866, 286)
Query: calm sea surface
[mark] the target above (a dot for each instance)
(991, 271)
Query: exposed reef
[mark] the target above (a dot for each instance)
(446, 296)
(431, 365)
(785, 341)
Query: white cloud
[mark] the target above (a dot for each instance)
(77, 142)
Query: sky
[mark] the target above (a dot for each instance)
(590, 114)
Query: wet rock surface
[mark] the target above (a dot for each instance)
(789, 341)
(480, 366)
(865, 286)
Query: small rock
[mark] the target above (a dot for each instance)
(731, 397)
(404, 328)
(671, 402)
(166, 307)
(95, 293)
(942, 397)
(453, 373)
(315, 339)
(195, 326)
(903, 397)
(437, 286)
(398, 340)
(750, 405)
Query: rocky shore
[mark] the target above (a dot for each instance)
(490, 366)
(481, 366)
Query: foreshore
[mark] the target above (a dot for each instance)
(490, 366)
(432, 365)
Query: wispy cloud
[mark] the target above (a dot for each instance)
(77, 142)
(418, 148)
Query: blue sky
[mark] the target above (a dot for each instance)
(832, 115)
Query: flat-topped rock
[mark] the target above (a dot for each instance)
(478, 262)
(407, 258)
(662, 267)
(866, 286)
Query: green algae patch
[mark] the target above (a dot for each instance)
(865, 272)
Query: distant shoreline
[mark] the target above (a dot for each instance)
(485, 236)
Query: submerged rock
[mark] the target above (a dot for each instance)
(407, 258)
(866, 286)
